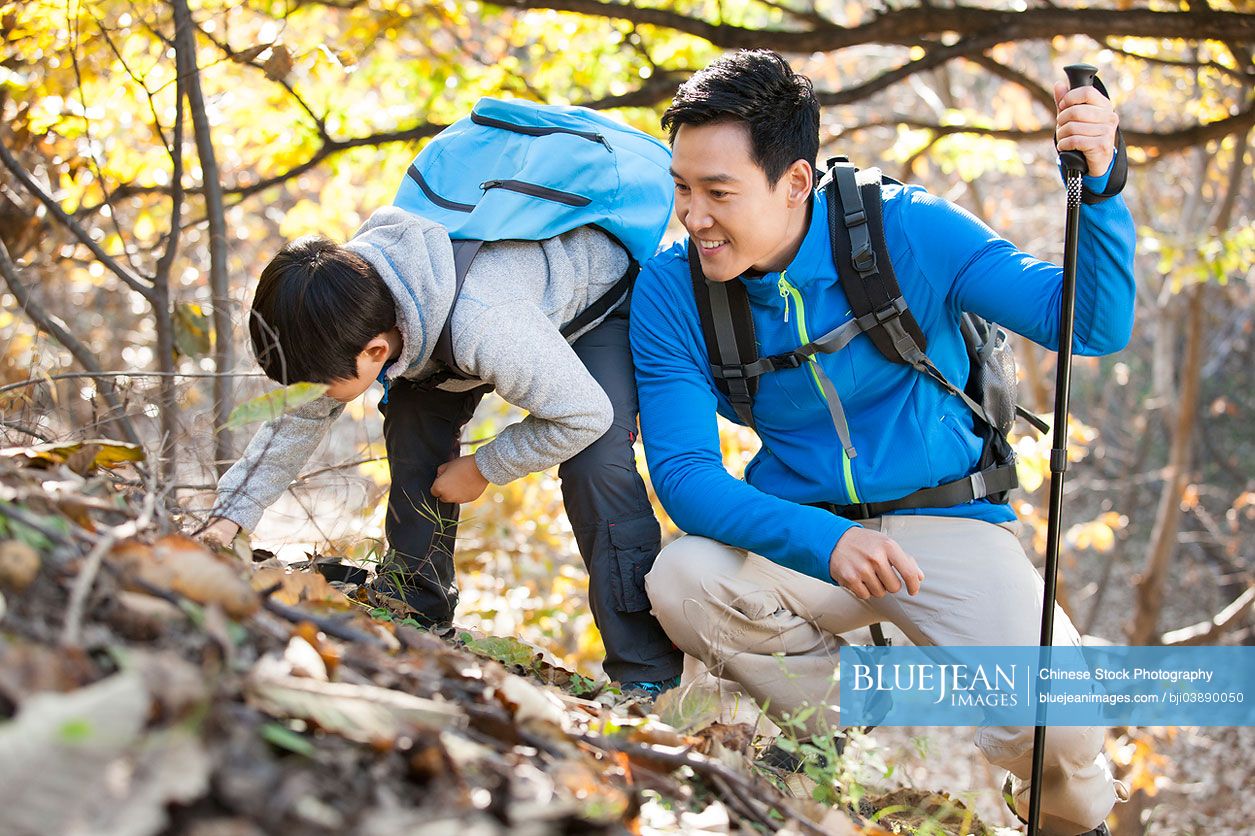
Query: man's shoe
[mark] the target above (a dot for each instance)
(1009, 798)
(646, 691)
(792, 763)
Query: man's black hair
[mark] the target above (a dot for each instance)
(760, 89)
(316, 307)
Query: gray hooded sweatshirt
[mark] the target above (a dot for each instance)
(505, 332)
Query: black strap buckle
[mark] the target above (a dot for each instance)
(792, 360)
(729, 372)
(889, 311)
(865, 259)
(853, 219)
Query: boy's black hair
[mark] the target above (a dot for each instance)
(316, 307)
(760, 89)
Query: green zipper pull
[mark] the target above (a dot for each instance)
(783, 287)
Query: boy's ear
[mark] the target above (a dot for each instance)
(799, 179)
(377, 349)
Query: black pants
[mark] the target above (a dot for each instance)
(604, 496)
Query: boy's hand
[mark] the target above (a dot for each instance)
(219, 533)
(868, 564)
(459, 481)
(1087, 123)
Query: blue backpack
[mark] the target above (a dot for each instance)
(521, 171)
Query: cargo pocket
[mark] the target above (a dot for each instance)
(634, 546)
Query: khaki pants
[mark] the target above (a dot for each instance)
(776, 633)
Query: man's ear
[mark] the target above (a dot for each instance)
(799, 179)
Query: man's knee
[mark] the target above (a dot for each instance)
(679, 586)
(1070, 748)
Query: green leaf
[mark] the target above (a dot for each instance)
(191, 331)
(503, 649)
(271, 405)
(280, 735)
(688, 709)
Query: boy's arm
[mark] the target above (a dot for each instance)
(272, 460)
(686, 467)
(522, 354)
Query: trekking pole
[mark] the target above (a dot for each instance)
(1079, 75)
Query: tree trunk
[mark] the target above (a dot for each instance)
(219, 289)
(1163, 540)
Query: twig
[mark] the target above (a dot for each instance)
(27, 430)
(74, 375)
(91, 567)
(331, 626)
(701, 765)
(52, 326)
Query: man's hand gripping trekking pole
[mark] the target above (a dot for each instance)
(869, 565)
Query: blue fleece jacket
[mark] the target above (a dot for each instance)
(908, 433)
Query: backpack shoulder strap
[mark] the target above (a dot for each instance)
(464, 253)
(856, 227)
(724, 310)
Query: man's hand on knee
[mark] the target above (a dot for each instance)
(869, 565)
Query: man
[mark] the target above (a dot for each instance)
(765, 581)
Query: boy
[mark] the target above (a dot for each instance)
(373, 309)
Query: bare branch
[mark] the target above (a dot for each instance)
(1206, 632)
(54, 209)
(933, 58)
(1244, 78)
(1181, 140)
(50, 325)
(909, 25)
(1039, 92)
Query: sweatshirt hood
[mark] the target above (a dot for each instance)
(414, 257)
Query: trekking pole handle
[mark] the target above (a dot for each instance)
(1079, 75)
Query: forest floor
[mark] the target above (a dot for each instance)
(151, 686)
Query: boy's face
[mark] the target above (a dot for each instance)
(370, 362)
(738, 220)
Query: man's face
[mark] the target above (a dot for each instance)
(735, 217)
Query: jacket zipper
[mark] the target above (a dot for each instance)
(532, 190)
(787, 290)
(536, 130)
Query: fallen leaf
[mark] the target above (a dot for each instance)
(362, 713)
(183, 565)
(104, 453)
(296, 588)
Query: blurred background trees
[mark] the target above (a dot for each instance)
(156, 154)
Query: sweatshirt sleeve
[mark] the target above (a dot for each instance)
(520, 352)
(976, 270)
(272, 460)
(681, 437)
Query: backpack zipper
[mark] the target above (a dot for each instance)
(417, 177)
(787, 290)
(532, 190)
(536, 130)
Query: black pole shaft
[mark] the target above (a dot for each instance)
(1080, 75)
